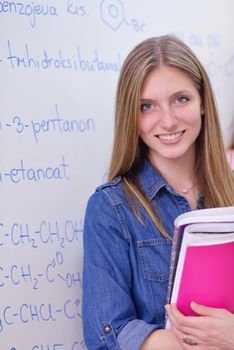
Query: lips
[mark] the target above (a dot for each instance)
(170, 137)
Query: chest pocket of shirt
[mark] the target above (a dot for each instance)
(155, 258)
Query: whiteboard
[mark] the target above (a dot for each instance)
(59, 65)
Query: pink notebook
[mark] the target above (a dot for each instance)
(207, 277)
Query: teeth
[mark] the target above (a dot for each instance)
(171, 136)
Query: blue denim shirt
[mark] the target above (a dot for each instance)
(126, 263)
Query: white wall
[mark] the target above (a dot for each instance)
(60, 70)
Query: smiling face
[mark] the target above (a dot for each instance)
(169, 120)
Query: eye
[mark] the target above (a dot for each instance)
(146, 106)
(182, 99)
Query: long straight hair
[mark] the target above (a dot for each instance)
(231, 144)
(212, 169)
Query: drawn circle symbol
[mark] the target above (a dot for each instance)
(112, 13)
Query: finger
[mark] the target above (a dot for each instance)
(185, 324)
(186, 340)
(179, 335)
(203, 310)
(174, 321)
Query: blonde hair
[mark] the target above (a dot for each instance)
(231, 144)
(212, 170)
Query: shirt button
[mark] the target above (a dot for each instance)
(107, 329)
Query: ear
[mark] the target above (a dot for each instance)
(202, 110)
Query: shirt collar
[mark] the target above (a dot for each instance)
(151, 180)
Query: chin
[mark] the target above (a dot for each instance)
(173, 156)
(176, 152)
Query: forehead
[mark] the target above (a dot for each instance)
(168, 79)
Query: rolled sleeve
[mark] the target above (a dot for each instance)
(134, 334)
(107, 303)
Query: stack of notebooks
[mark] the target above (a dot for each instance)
(202, 260)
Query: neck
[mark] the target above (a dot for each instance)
(179, 173)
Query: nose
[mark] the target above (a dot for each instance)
(168, 118)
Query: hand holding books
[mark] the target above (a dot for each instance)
(202, 260)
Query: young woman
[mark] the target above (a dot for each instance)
(168, 158)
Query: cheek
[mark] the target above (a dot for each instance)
(197, 120)
(145, 124)
(193, 117)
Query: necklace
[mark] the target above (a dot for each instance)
(185, 190)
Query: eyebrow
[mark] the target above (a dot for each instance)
(180, 92)
(147, 100)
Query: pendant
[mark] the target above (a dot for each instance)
(184, 191)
